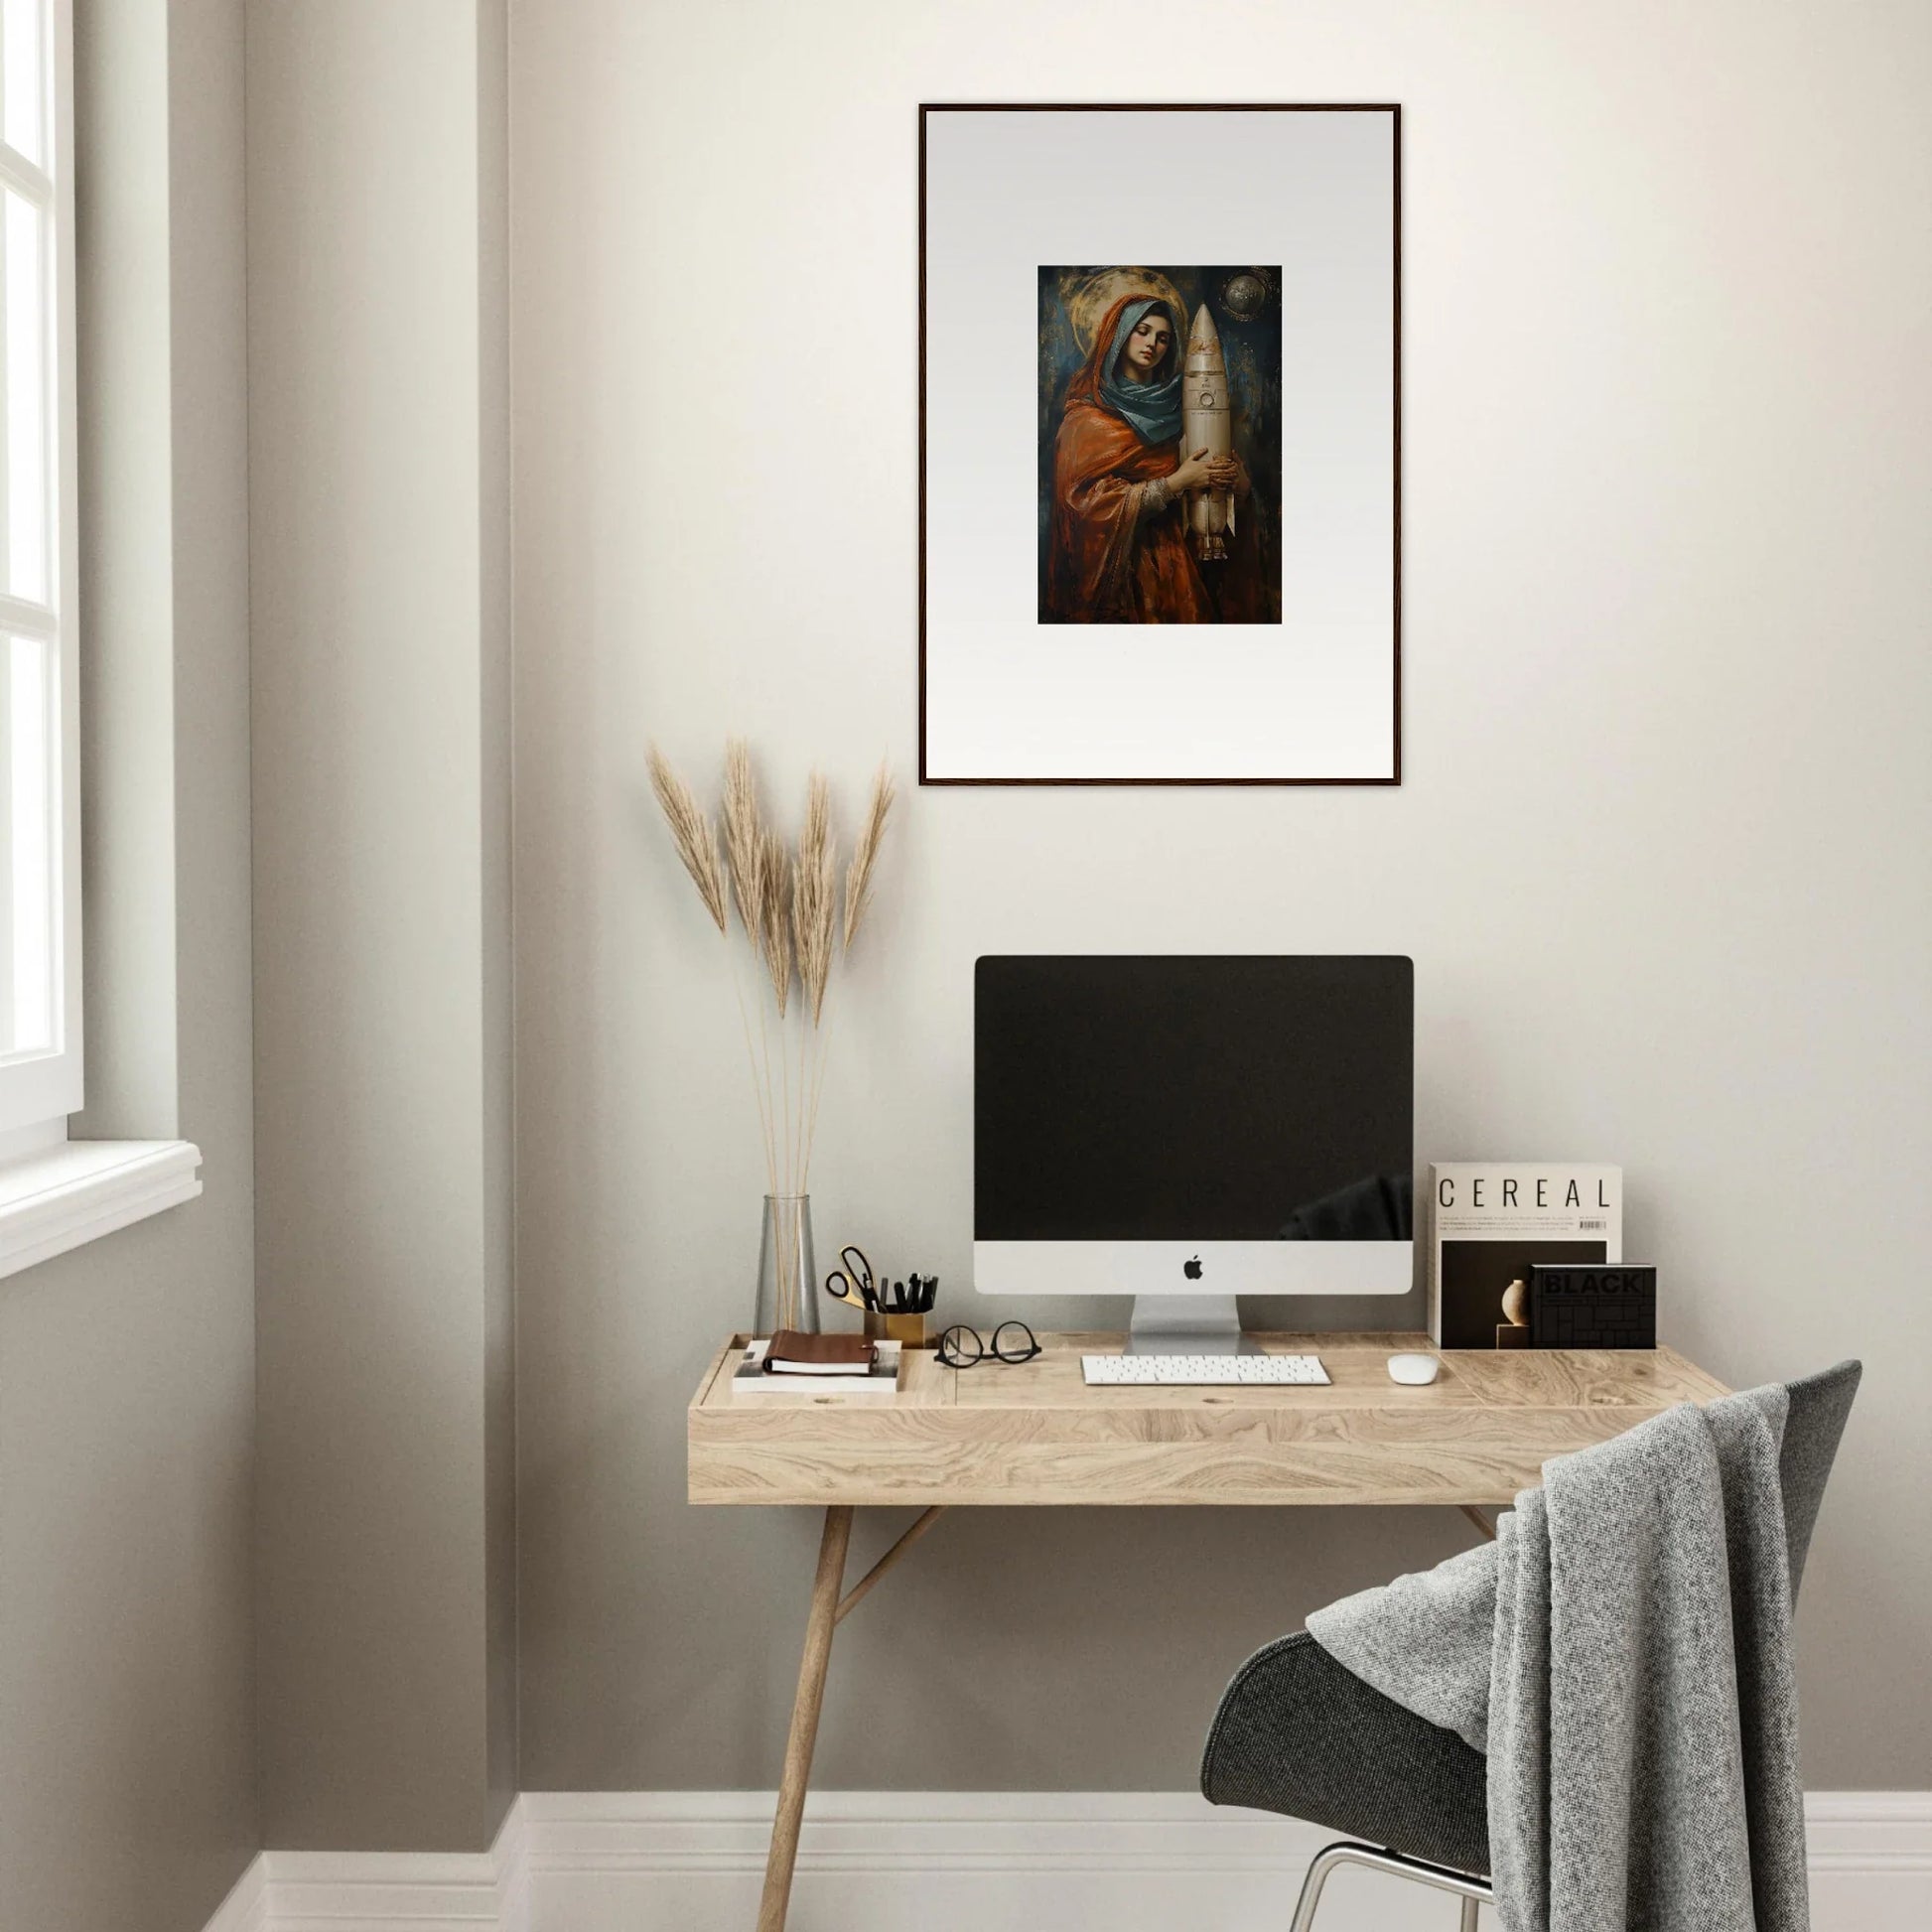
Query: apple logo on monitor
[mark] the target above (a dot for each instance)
(1191, 1269)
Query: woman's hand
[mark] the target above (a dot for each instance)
(1192, 475)
(1228, 473)
(1202, 472)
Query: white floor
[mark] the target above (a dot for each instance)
(956, 1862)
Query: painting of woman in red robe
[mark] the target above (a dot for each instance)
(1117, 481)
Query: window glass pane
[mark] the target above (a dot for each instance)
(22, 46)
(23, 237)
(27, 848)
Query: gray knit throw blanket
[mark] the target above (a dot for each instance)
(1622, 1652)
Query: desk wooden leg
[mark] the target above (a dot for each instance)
(857, 1594)
(804, 1720)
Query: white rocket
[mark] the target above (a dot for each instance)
(1207, 423)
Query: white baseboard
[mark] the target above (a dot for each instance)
(245, 1909)
(954, 1861)
(1869, 1854)
(386, 1891)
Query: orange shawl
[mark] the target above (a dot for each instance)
(1108, 562)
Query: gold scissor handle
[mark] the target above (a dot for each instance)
(854, 1276)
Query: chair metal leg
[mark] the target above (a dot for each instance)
(1324, 1863)
(1471, 1890)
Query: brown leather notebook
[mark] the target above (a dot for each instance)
(792, 1353)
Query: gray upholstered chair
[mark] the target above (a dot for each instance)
(1297, 1733)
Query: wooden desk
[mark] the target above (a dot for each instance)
(1034, 1433)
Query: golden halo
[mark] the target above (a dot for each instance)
(1087, 295)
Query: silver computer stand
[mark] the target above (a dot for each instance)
(1186, 1325)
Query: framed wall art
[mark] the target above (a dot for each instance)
(1159, 445)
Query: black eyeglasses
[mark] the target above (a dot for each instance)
(1012, 1342)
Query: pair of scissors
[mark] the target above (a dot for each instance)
(853, 1281)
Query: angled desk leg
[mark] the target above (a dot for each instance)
(828, 1609)
(804, 1719)
(1478, 1519)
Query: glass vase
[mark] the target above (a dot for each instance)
(787, 1274)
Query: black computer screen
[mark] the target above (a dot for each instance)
(1225, 1098)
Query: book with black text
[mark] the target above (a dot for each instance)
(1489, 1221)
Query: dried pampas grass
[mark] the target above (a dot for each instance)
(790, 911)
(865, 853)
(692, 834)
(815, 896)
(744, 836)
(774, 918)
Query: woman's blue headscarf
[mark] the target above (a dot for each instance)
(1152, 409)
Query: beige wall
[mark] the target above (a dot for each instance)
(1659, 856)
(377, 424)
(127, 1748)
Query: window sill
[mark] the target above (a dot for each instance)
(82, 1190)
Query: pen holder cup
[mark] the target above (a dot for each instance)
(906, 1329)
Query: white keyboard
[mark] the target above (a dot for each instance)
(1202, 1371)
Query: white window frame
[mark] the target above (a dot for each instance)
(57, 1192)
(39, 1090)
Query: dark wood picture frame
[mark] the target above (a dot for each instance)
(1393, 109)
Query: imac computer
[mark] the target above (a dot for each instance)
(1189, 1129)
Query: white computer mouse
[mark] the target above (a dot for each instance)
(1414, 1369)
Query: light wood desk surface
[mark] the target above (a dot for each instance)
(1033, 1432)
